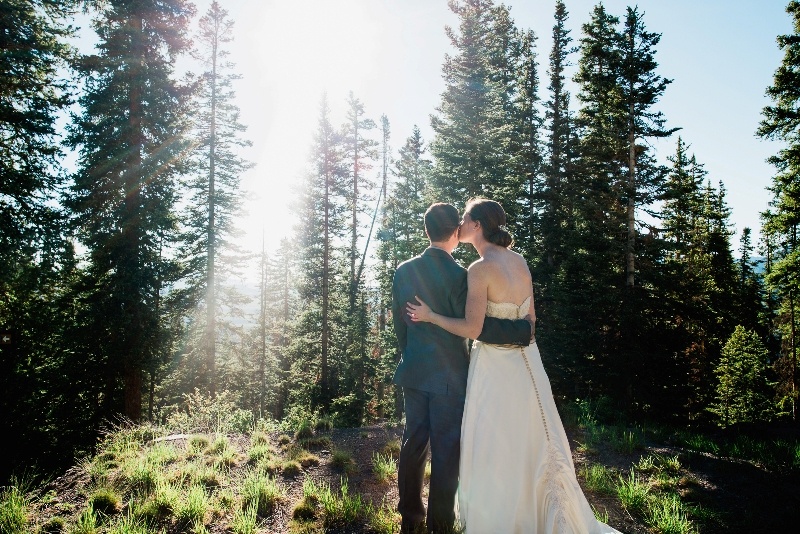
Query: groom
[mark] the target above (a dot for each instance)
(433, 372)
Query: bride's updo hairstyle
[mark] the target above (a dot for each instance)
(492, 217)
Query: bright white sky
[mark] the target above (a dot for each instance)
(721, 55)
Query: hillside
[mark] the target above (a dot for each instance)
(146, 479)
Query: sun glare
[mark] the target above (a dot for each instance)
(293, 53)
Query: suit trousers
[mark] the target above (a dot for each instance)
(433, 423)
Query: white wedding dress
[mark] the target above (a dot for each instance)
(516, 474)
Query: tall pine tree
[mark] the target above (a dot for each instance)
(130, 138)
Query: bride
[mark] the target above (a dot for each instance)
(516, 473)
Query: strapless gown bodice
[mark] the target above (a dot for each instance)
(508, 310)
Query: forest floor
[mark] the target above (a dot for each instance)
(670, 489)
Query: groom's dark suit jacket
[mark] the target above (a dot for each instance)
(433, 359)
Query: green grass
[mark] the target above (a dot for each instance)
(384, 467)
(342, 460)
(323, 424)
(342, 509)
(219, 445)
(258, 452)
(304, 431)
(598, 478)
(14, 510)
(128, 524)
(667, 515)
(198, 472)
(258, 438)
(245, 521)
(141, 476)
(198, 443)
(161, 454)
(302, 456)
(392, 448)
(316, 443)
(54, 525)
(261, 491)
(193, 506)
(284, 439)
(87, 522)
(633, 493)
(161, 504)
(105, 501)
(291, 468)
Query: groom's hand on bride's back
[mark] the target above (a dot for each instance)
(533, 326)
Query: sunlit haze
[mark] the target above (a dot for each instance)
(721, 55)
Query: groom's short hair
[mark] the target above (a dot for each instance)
(441, 220)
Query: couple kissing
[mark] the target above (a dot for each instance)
(500, 460)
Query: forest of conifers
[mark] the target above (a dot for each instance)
(119, 273)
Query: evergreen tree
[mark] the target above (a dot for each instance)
(36, 258)
(360, 151)
(640, 90)
(749, 295)
(215, 196)
(559, 124)
(131, 150)
(471, 132)
(743, 392)
(401, 235)
(319, 337)
(781, 122)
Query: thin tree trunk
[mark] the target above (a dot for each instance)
(263, 330)
(325, 278)
(211, 301)
(792, 341)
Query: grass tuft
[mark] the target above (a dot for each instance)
(128, 524)
(261, 491)
(105, 501)
(54, 525)
(392, 448)
(198, 443)
(324, 424)
(291, 468)
(598, 478)
(316, 443)
(384, 467)
(13, 511)
(87, 522)
(343, 461)
(193, 507)
(666, 514)
(633, 493)
(304, 432)
(245, 521)
(259, 438)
